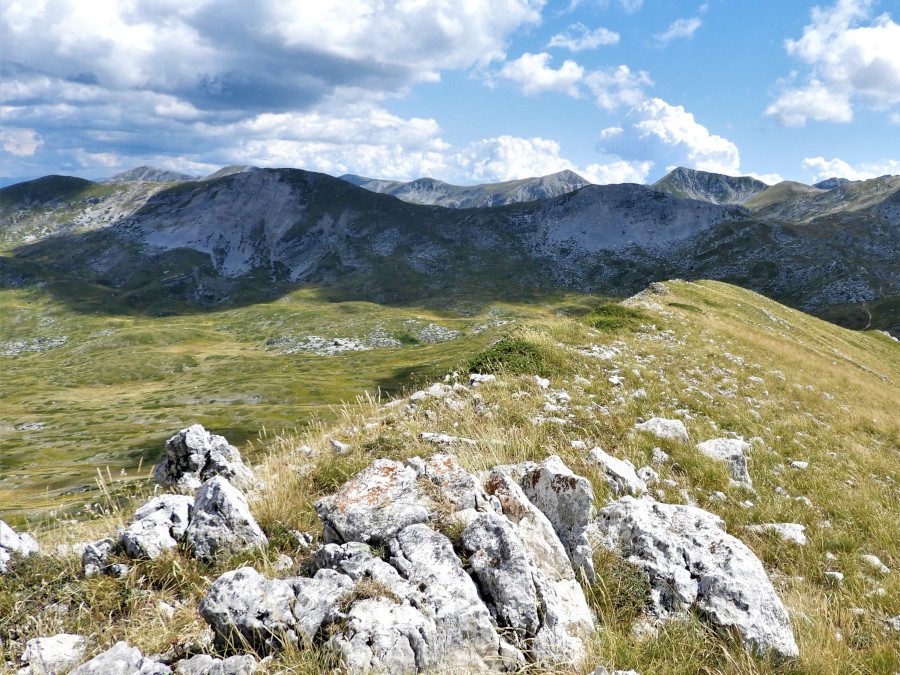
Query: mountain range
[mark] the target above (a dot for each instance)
(249, 232)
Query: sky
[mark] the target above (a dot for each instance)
(466, 91)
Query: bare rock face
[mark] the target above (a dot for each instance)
(203, 664)
(120, 659)
(732, 451)
(568, 502)
(193, 455)
(620, 474)
(243, 606)
(50, 655)
(672, 430)
(222, 523)
(14, 543)
(692, 562)
(374, 505)
(158, 526)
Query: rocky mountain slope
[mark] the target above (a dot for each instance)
(709, 187)
(149, 174)
(290, 226)
(438, 193)
(660, 485)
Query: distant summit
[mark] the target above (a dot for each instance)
(438, 193)
(229, 170)
(149, 174)
(709, 187)
(831, 183)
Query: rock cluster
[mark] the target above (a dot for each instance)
(13, 543)
(214, 523)
(390, 591)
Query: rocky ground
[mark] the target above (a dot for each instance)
(705, 488)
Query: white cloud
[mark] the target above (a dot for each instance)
(813, 102)
(895, 118)
(629, 6)
(669, 135)
(20, 142)
(767, 178)
(617, 86)
(828, 168)
(679, 29)
(579, 37)
(534, 76)
(852, 58)
(97, 159)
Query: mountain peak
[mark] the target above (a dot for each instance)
(149, 174)
(709, 187)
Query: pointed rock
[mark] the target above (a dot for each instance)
(194, 455)
(222, 523)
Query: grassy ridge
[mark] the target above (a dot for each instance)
(720, 358)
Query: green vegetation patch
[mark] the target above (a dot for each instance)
(519, 356)
(614, 317)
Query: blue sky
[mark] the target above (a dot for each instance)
(618, 90)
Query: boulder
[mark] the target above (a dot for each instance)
(619, 474)
(671, 430)
(568, 502)
(14, 543)
(193, 456)
(457, 486)
(381, 635)
(317, 600)
(222, 523)
(374, 505)
(51, 655)
(564, 621)
(120, 659)
(95, 557)
(792, 532)
(732, 451)
(874, 562)
(466, 638)
(242, 607)
(692, 562)
(158, 526)
(203, 664)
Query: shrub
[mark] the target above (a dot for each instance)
(614, 317)
(518, 356)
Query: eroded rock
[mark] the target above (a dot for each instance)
(620, 475)
(194, 455)
(158, 526)
(222, 523)
(51, 655)
(732, 451)
(121, 659)
(203, 664)
(692, 561)
(672, 430)
(13, 543)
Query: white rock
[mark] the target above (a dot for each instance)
(615, 380)
(418, 396)
(791, 532)
(893, 624)
(568, 502)
(619, 474)
(95, 557)
(222, 523)
(203, 664)
(50, 655)
(466, 639)
(158, 526)
(120, 659)
(660, 456)
(835, 576)
(242, 606)
(444, 439)
(673, 430)
(13, 543)
(578, 445)
(541, 382)
(338, 447)
(477, 379)
(438, 390)
(692, 561)
(374, 505)
(460, 488)
(648, 475)
(798, 465)
(317, 600)
(193, 455)
(875, 563)
(732, 451)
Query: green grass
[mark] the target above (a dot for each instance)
(519, 356)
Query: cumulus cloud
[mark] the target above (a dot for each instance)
(680, 29)
(579, 37)
(618, 86)
(534, 76)
(827, 168)
(669, 135)
(851, 58)
(152, 78)
(20, 142)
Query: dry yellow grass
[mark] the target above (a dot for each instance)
(818, 394)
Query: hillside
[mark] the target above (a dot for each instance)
(149, 174)
(709, 187)
(438, 193)
(810, 405)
